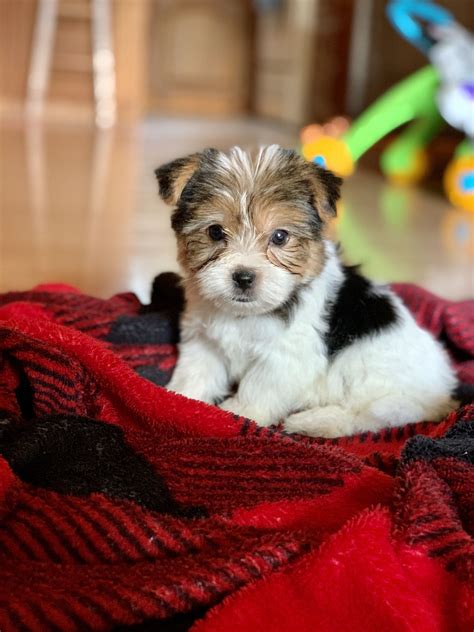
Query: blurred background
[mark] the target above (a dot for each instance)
(95, 94)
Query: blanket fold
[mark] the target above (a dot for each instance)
(126, 507)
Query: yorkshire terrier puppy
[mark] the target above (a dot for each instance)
(275, 327)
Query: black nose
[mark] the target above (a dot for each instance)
(243, 279)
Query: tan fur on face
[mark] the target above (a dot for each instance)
(301, 255)
(197, 250)
(250, 196)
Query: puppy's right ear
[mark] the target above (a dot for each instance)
(174, 176)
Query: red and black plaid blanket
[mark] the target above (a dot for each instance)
(125, 507)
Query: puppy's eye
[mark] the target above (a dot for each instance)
(279, 237)
(216, 232)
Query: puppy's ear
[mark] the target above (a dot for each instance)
(326, 191)
(174, 176)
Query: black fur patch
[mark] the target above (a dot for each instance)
(357, 312)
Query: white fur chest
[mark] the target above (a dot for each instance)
(241, 341)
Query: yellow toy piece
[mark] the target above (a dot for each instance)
(331, 153)
(413, 172)
(459, 182)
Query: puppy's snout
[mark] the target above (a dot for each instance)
(243, 279)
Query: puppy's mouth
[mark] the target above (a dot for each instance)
(243, 299)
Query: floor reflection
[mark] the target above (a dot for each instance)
(407, 234)
(81, 207)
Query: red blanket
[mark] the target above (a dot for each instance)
(123, 506)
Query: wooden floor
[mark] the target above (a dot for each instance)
(81, 207)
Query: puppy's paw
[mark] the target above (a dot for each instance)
(234, 405)
(328, 422)
(178, 385)
(188, 388)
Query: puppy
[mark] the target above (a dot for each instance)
(275, 327)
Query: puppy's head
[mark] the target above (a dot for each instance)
(249, 227)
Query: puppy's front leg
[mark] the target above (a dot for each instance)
(271, 390)
(200, 373)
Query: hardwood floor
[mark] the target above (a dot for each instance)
(80, 207)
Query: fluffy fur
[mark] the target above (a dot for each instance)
(305, 339)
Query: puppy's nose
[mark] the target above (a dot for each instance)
(243, 278)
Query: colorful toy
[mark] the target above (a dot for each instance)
(440, 93)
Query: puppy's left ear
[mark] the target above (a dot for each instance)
(173, 177)
(326, 190)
